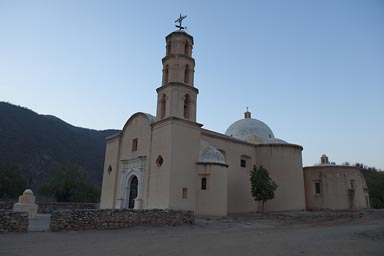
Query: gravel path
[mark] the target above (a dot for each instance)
(240, 235)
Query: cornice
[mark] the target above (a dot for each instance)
(178, 84)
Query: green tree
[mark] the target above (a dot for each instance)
(68, 183)
(12, 183)
(375, 184)
(262, 186)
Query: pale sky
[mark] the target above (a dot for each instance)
(312, 70)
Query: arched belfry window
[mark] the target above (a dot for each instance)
(186, 48)
(187, 108)
(168, 49)
(166, 74)
(162, 105)
(186, 74)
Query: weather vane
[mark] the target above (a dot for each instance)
(180, 20)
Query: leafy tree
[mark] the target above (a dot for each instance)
(375, 184)
(12, 183)
(68, 183)
(262, 186)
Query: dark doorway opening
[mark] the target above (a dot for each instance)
(132, 192)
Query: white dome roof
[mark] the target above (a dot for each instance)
(247, 128)
(276, 141)
(210, 154)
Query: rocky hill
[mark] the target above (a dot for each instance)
(39, 143)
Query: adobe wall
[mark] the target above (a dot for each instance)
(119, 148)
(336, 189)
(111, 170)
(11, 221)
(239, 198)
(117, 218)
(283, 162)
(213, 200)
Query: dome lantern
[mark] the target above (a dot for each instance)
(247, 114)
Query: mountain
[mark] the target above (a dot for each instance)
(39, 143)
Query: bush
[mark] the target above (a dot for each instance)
(12, 184)
(68, 183)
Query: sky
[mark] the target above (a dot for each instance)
(312, 70)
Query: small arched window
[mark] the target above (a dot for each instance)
(166, 74)
(168, 49)
(204, 183)
(162, 106)
(187, 109)
(186, 74)
(186, 48)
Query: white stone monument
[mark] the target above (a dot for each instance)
(26, 204)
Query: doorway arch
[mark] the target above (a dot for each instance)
(131, 184)
(133, 191)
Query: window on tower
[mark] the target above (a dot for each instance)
(187, 103)
(166, 74)
(186, 74)
(186, 48)
(162, 106)
(168, 49)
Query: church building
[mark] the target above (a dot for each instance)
(169, 161)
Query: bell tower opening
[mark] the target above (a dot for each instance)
(168, 49)
(186, 74)
(187, 107)
(165, 75)
(163, 102)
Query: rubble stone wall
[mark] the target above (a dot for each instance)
(49, 207)
(6, 205)
(117, 218)
(11, 221)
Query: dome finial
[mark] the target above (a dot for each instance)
(247, 114)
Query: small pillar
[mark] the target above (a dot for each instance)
(26, 204)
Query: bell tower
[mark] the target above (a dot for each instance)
(177, 95)
(175, 134)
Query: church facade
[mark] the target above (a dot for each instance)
(169, 161)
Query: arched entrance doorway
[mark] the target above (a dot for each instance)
(132, 192)
(131, 184)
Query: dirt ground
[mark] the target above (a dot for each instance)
(279, 234)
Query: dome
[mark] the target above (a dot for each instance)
(276, 141)
(250, 129)
(210, 154)
(28, 191)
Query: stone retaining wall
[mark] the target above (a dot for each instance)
(49, 207)
(117, 218)
(6, 205)
(11, 221)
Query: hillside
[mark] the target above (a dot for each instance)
(38, 143)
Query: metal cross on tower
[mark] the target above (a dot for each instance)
(180, 20)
